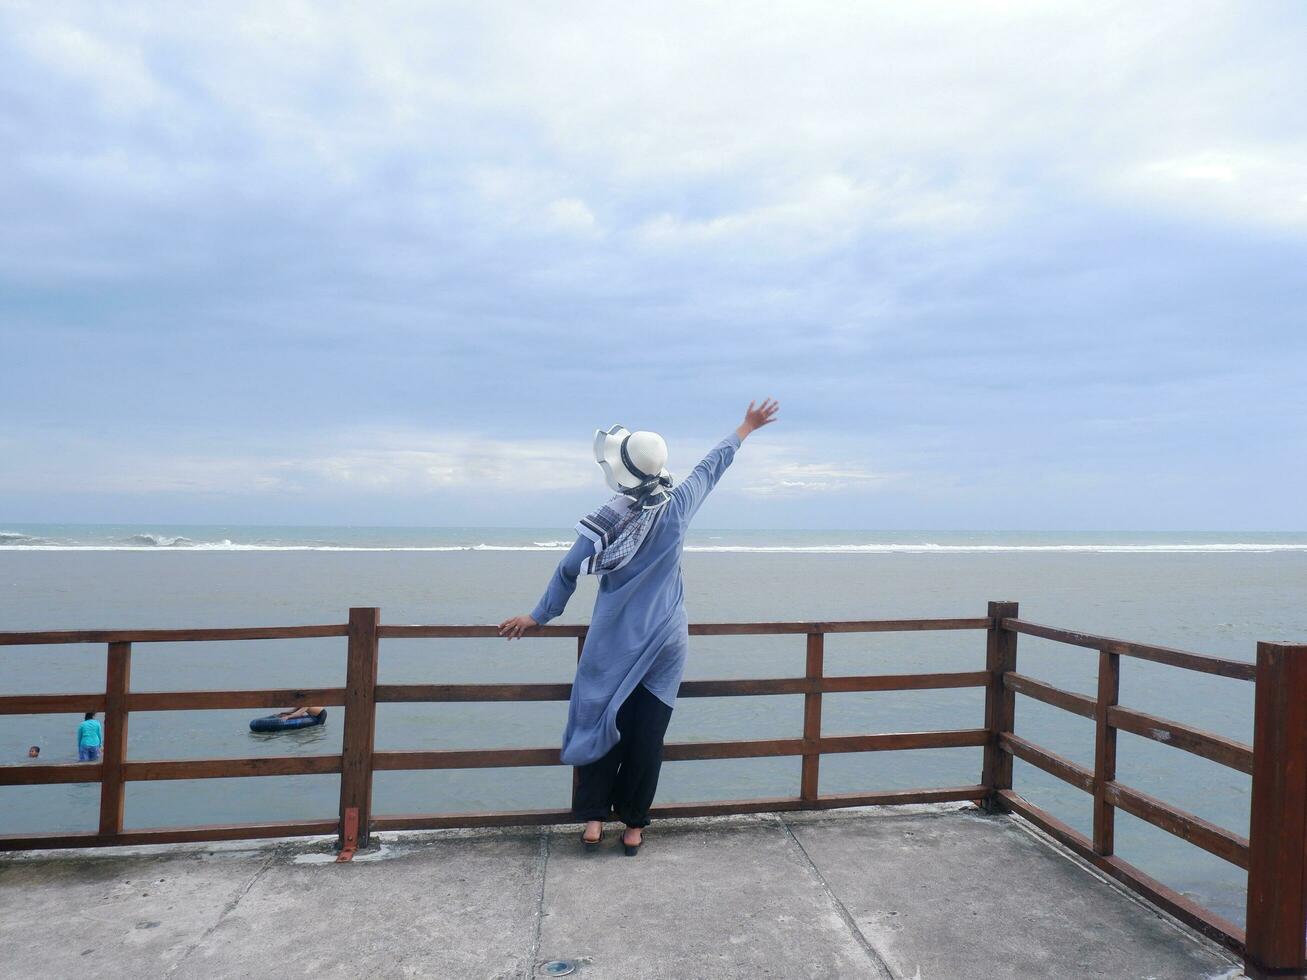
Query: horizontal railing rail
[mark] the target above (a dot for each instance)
(1215, 748)
(1237, 669)
(36, 704)
(171, 636)
(1275, 854)
(1078, 704)
(706, 629)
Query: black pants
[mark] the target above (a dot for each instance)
(625, 779)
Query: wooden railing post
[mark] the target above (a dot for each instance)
(1109, 689)
(1000, 701)
(1277, 860)
(812, 719)
(113, 754)
(360, 724)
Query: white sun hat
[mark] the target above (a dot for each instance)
(634, 461)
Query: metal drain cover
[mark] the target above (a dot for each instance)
(558, 968)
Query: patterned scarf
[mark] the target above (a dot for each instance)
(617, 529)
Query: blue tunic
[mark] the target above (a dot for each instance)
(638, 631)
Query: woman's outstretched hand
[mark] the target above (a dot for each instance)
(756, 418)
(514, 627)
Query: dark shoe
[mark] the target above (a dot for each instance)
(592, 845)
(631, 849)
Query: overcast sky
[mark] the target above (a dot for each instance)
(1005, 265)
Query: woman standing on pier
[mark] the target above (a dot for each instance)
(634, 654)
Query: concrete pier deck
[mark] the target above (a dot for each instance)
(916, 893)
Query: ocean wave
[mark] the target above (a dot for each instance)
(149, 542)
(160, 541)
(537, 546)
(930, 548)
(229, 546)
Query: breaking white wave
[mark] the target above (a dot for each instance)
(930, 548)
(229, 546)
(161, 541)
(11, 541)
(537, 546)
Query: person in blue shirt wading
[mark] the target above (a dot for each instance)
(89, 739)
(634, 654)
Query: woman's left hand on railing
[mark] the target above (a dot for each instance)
(515, 626)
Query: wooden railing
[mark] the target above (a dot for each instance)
(1275, 855)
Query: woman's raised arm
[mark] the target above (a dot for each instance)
(692, 491)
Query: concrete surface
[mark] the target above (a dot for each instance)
(911, 893)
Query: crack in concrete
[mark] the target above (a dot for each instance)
(543, 865)
(877, 962)
(227, 909)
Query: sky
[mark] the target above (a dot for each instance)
(1005, 265)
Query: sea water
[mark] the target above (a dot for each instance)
(1216, 593)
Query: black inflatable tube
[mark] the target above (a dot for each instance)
(276, 723)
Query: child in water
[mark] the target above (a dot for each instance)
(301, 712)
(89, 739)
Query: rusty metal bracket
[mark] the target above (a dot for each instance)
(351, 842)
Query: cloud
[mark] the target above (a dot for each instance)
(818, 478)
(571, 214)
(415, 463)
(313, 249)
(360, 462)
(385, 464)
(1248, 185)
(114, 73)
